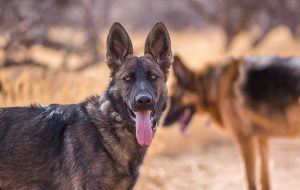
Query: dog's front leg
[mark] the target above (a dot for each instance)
(248, 151)
(263, 147)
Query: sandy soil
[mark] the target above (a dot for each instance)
(218, 166)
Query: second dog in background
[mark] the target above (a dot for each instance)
(255, 98)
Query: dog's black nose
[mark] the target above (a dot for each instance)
(143, 100)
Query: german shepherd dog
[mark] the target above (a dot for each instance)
(254, 98)
(96, 144)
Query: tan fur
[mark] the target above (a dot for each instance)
(228, 106)
(238, 117)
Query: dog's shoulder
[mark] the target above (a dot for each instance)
(100, 110)
(60, 115)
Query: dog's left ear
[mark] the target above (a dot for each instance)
(186, 77)
(119, 46)
(158, 44)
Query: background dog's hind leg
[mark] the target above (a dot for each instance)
(263, 148)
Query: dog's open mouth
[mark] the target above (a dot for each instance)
(183, 116)
(184, 119)
(143, 126)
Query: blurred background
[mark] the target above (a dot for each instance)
(53, 51)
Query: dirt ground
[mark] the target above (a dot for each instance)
(207, 158)
(217, 166)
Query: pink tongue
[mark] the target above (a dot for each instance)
(143, 131)
(182, 120)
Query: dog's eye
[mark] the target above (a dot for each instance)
(153, 76)
(128, 78)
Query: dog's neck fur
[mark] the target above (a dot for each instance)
(208, 85)
(115, 134)
(216, 81)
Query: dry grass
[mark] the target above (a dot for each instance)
(204, 160)
(23, 85)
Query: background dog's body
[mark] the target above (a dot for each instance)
(99, 143)
(268, 91)
(253, 98)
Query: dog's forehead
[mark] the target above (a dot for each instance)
(140, 63)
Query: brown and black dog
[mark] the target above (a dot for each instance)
(254, 98)
(96, 144)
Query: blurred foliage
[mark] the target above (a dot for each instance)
(73, 26)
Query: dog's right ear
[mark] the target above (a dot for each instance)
(183, 74)
(118, 45)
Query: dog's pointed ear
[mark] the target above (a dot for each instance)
(158, 44)
(184, 75)
(180, 70)
(118, 46)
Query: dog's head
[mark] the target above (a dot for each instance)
(139, 83)
(184, 96)
(198, 92)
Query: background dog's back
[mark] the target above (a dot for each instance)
(271, 80)
(268, 88)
